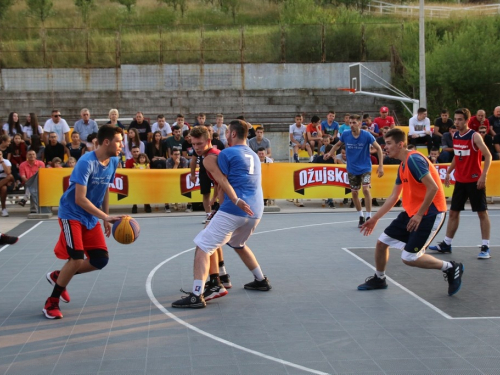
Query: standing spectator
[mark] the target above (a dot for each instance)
(420, 130)
(76, 148)
(330, 127)
(201, 120)
(141, 127)
(470, 183)
(54, 149)
(17, 155)
(183, 125)
(345, 126)
(494, 121)
(57, 125)
(488, 141)
(162, 126)
(113, 119)
(442, 124)
(260, 141)
(251, 130)
(187, 147)
(31, 127)
(359, 166)
(27, 170)
(297, 138)
(261, 153)
(447, 151)
(220, 128)
(36, 145)
(13, 127)
(314, 134)
(479, 119)
(175, 141)
(176, 161)
(130, 163)
(6, 179)
(157, 151)
(384, 119)
(132, 139)
(85, 125)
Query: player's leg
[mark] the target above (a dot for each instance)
(3, 196)
(213, 287)
(355, 184)
(366, 185)
(478, 204)
(223, 275)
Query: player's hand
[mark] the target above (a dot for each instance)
(368, 227)
(414, 223)
(380, 171)
(327, 156)
(107, 228)
(244, 206)
(447, 180)
(112, 219)
(192, 178)
(481, 183)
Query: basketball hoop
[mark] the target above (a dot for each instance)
(350, 91)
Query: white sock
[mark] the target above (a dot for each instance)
(257, 272)
(222, 271)
(380, 274)
(447, 240)
(360, 213)
(198, 287)
(368, 214)
(486, 243)
(446, 266)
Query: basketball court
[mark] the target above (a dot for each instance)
(313, 321)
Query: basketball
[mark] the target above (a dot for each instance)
(126, 230)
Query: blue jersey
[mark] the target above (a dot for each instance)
(91, 173)
(329, 129)
(242, 167)
(358, 151)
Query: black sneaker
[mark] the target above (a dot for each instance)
(190, 301)
(22, 202)
(454, 277)
(147, 208)
(259, 285)
(134, 209)
(331, 204)
(352, 204)
(226, 281)
(373, 282)
(214, 291)
(8, 240)
(441, 247)
(361, 221)
(374, 202)
(345, 201)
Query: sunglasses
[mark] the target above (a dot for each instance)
(56, 116)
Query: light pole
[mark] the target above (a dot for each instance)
(421, 56)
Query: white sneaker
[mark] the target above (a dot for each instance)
(311, 158)
(5, 213)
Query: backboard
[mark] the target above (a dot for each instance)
(355, 77)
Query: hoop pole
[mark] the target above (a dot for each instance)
(415, 102)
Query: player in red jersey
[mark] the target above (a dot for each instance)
(470, 182)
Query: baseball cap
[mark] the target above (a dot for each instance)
(384, 109)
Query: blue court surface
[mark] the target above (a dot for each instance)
(313, 321)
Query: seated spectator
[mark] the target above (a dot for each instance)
(177, 161)
(298, 139)
(371, 126)
(384, 119)
(381, 140)
(216, 142)
(494, 121)
(251, 130)
(56, 163)
(91, 144)
(85, 126)
(5, 145)
(17, 156)
(345, 126)
(56, 124)
(70, 163)
(36, 145)
(6, 181)
(113, 119)
(201, 119)
(181, 123)
(420, 130)
(130, 163)
(141, 127)
(12, 127)
(442, 125)
(478, 120)
(447, 152)
(54, 149)
(341, 158)
(142, 162)
(320, 160)
(220, 128)
(434, 156)
(162, 126)
(330, 127)
(175, 141)
(261, 153)
(325, 141)
(31, 127)
(260, 141)
(157, 151)
(28, 169)
(488, 141)
(130, 140)
(187, 147)
(76, 147)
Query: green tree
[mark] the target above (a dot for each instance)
(85, 6)
(230, 6)
(126, 3)
(181, 4)
(41, 9)
(4, 7)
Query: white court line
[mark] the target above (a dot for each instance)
(22, 235)
(425, 302)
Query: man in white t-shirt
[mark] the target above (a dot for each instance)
(57, 125)
(420, 130)
(297, 138)
(6, 179)
(162, 126)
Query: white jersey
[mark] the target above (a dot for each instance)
(298, 132)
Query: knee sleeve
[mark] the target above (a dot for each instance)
(98, 258)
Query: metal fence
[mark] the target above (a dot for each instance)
(206, 44)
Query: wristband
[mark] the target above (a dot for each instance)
(237, 200)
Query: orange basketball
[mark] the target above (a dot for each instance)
(126, 230)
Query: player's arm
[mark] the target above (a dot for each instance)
(449, 171)
(211, 166)
(82, 201)
(380, 154)
(192, 166)
(478, 140)
(334, 149)
(368, 227)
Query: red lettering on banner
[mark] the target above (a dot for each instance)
(319, 176)
(187, 186)
(442, 169)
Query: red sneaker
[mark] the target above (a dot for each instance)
(51, 309)
(52, 279)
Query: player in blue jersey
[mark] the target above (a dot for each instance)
(86, 201)
(359, 166)
(237, 172)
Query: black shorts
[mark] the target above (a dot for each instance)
(469, 190)
(396, 234)
(205, 182)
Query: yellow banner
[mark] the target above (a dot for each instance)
(279, 181)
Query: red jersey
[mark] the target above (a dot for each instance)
(381, 122)
(474, 124)
(212, 151)
(467, 157)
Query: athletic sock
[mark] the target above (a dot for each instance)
(56, 292)
(222, 268)
(446, 266)
(361, 213)
(368, 214)
(257, 272)
(380, 274)
(198, 287)
(486, 243)
(447, 240)
(214, 279)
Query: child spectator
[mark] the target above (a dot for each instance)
(314, 133)
(330, 127)
(220, 128)
(142, 162)
(434, 156)
(56, 163)
(371, 126)
(345, 126)
(261, 152)
(325, 141)
(71, 162)
(297, 138)
(341, 158)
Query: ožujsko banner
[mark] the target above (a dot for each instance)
(279, 181)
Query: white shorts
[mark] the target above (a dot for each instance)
(224, 229)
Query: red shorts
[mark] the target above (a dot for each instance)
(75, 239)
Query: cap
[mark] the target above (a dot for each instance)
(384, 109)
